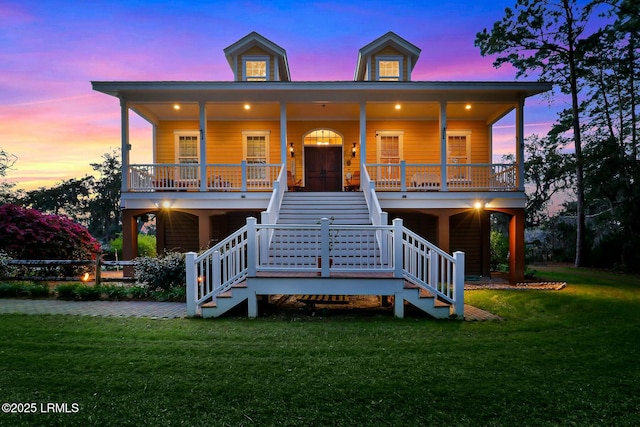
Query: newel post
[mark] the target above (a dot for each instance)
(252, 251)
(325, 247)
(192, 282)
(397, 247)
(403, 175)
(458, 284)
(243, 168)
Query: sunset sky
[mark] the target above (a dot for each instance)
(50, 51)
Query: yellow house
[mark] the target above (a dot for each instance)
(290, 153)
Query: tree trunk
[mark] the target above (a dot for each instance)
(573, 78)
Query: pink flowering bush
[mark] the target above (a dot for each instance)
(30, 234)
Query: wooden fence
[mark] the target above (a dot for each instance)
(96, 265)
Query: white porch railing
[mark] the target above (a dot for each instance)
(424, 177)
(219, 177)
(254, 248)
(387, 177)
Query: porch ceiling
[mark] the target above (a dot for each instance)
(305, 100)
(484, 111)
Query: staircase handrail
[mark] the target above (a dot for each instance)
(216, 270)
(429, 267)
(270, 216)
(376, 214)
(412, 257)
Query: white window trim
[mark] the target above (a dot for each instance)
(400, 61)
(465, 133)
(266, 59)
(398, 133)
(265, 133)
(176, 136)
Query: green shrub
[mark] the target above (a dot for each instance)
(161, 273)
(499, 249)
(23, 289)
(87, 293)
(67, 291)
(5, 268)
(172, 295)
(8, 290)
(146, 246)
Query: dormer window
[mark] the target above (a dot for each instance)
(389, 69)
(255, 69)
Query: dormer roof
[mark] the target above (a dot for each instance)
(390, 39)
(252, 40)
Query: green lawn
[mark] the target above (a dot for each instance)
(569, 357)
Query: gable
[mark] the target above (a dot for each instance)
(389, 45)
(257, 49)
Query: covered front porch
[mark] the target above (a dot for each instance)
(401, 176)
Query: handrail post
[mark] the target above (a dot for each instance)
(403, 175)
(243, 172)
(325, 249)
(98, 272)
(458, 284)
(397, 247)
(192, 283)
(252, 261)
(216, 270)
(383, 238)
(434, 269)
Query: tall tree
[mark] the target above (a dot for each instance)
(548, 172)
(69, 197)
(6, 162)
(544, 37)
(611, 125)
(106, 220)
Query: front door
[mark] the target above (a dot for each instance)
(323, 168)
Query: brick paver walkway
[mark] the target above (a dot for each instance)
(158, 310)
(95, 308)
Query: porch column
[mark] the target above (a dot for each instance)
(129, 240)
(363, 134)
(516, 246)
(204, 229)
(283, 135)
(203, 145)
(443, 232)
(126, 147)
(443, 145)
(520, 143)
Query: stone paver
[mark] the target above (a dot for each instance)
(150, 309)
(162, 310)
(472, 313)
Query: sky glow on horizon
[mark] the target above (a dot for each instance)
(50, 51)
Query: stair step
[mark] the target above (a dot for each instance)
(323, 299)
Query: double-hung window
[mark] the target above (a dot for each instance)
(389, 145)
(256, 153)
(187, 154)
(389, 68)
(255, 68)
(458, 154)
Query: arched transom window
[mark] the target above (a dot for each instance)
(322, 137)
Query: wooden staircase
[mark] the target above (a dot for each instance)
(350, 249)
(348, 208)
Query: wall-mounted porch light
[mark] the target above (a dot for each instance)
(479, 205)
(353, 149)
(291, 152)
(164, 204)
